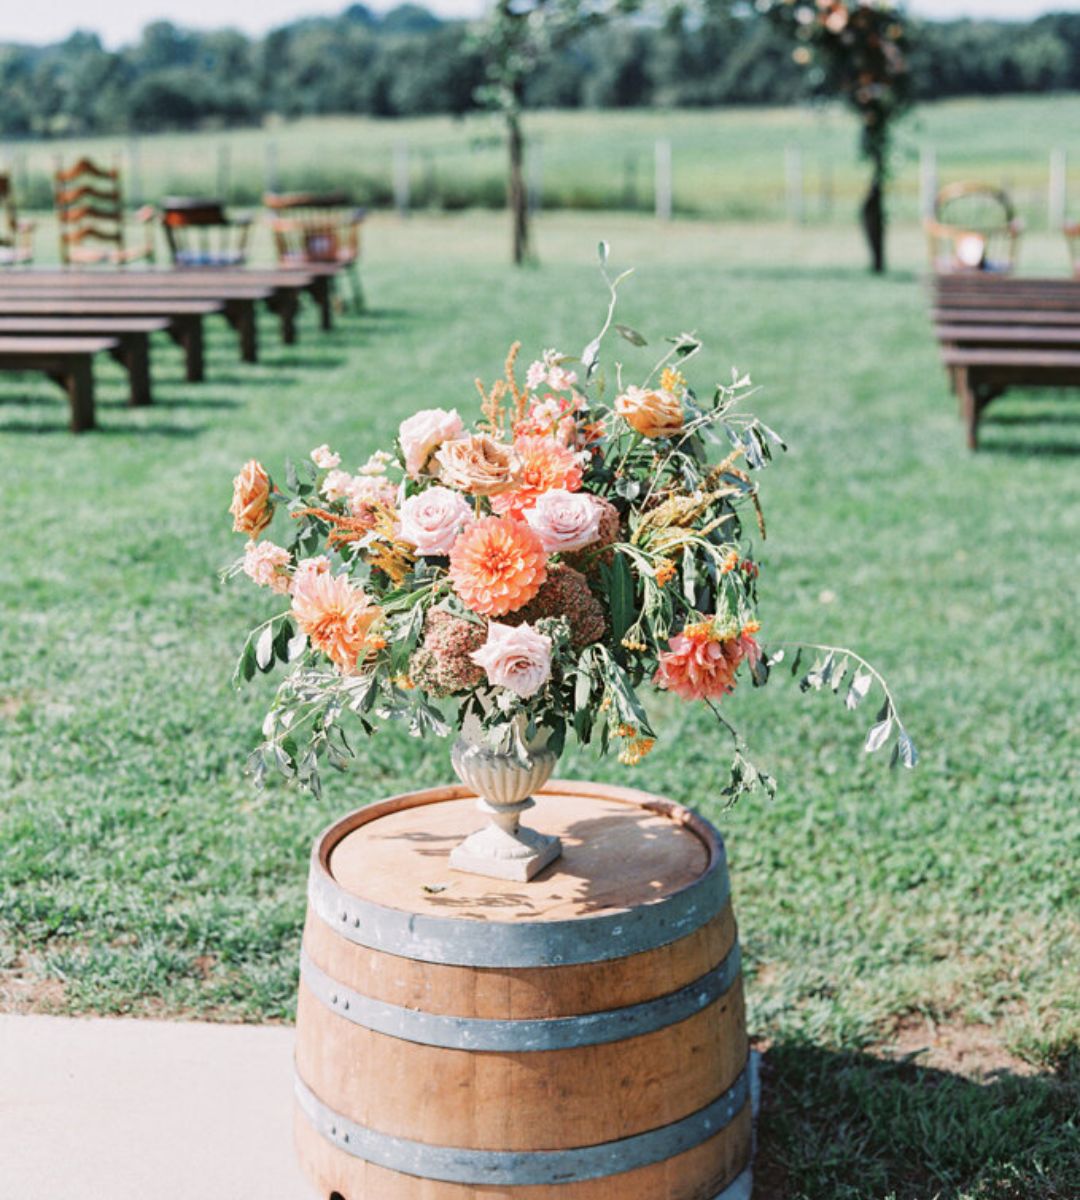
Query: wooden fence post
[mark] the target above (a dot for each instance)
(401, 178)
(928, 182)
(270, 172)
(793, 173)
(663, 182)
(1057, 200)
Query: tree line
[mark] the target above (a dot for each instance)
(408, 62)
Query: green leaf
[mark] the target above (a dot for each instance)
(621, 588)
(631, 335)
(689, 575)
(909, 756)
(264, 648)
(878, 735)
(602, 250)
(856, 693)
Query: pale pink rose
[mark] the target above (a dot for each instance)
(561, 379)
(336, 485)
(423, 433)
(432, 520)
(565, 520)
(268, 565)
(364, 490)
(324, 458)
(515, 657)
(535, 375)
(308, 567)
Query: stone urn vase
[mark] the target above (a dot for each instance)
(504, 779)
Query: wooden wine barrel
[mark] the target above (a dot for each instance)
(578, 1037)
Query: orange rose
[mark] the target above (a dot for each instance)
(655, 414)
(251, 508)
(478, 464)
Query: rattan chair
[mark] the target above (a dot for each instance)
(89, 208)
(201, 234)
(16, 233)
(317, 227)
(974, 228)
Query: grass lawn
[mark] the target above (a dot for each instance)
(905, 934)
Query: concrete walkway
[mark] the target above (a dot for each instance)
(145, 1110)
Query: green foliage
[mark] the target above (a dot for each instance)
(409, 62)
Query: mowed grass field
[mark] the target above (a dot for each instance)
(727, 163)
(910, 938)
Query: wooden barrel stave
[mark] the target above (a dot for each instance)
(538, 1116)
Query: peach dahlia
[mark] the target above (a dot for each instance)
(497, 565)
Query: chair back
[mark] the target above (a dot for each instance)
(974, 228)
(200, 233)
(89, 208)
(314, 227)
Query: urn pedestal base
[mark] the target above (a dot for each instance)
(503, 849)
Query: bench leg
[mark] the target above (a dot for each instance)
(76, 377)
(322, 293)
(133, 354)
(241, 316)
(187, 333)
(285, 305)
(974, 397)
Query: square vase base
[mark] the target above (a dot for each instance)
(543, 850)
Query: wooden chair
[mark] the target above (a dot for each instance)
(202, 235)
(16, 235)
(89, 208)
(975, 228)
(317, 228)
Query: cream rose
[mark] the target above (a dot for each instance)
(515, 657)
(432, 520)
(654, 414)
(422, 433)
(478, 465)
(251, 508)
(565, 520)
(324, 458)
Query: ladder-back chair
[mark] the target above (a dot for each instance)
(317, 227)
(90, 208)
(16, 234)
(201, 234)
(974, 228)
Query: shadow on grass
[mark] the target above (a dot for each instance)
(785, 273)
(1025, 449)
(847, 1126)
(288, 358)
(107, 428)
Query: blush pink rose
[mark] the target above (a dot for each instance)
(364, 490)
(268, 565)
(336, 484)
(565, 520)
(515, 657)
(432, 520)
(324, 458)
(422, 433)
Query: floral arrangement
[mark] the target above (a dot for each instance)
(537, 570)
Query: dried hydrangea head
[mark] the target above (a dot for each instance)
(442, 664)
(566, 593)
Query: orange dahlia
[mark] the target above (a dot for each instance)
(545, 464)
(497, 565)
(336, 616)
(700, 663)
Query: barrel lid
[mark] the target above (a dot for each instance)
(636, 872)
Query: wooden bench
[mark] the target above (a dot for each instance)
(317, 279)
(67, 360)
(237, 303)
(184, 317)
(999, 333)
(132, 336)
